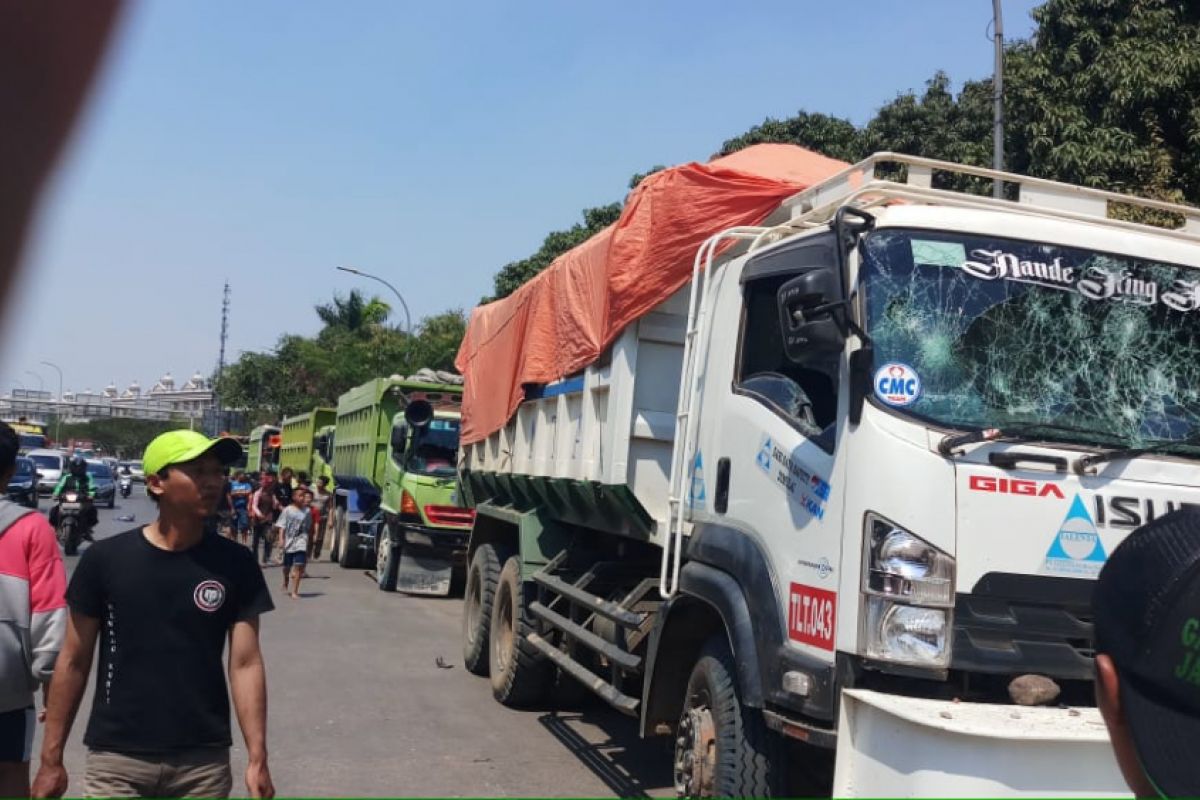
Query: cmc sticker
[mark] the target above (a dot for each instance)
(209, 595)
(812, 616)
(1076, 551)
(897, 384)
(806, 488)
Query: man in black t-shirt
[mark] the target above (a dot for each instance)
(162, 601)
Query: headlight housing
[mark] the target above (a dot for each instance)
(908, 588)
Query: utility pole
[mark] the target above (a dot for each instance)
(998, 97)
(59, 405)
(221, 355)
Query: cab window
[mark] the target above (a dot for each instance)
(805, 396)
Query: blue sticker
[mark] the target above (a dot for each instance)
(897, 384)
(696, 493)
(1076, 550)
(803, 486)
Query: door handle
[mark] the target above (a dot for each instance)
(721, 496)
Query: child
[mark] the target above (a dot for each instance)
(293, 527)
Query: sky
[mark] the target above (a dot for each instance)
(429, 143)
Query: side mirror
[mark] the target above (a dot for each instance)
(806, 315)
(418, 413)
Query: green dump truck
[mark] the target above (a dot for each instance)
(305, 437)
(394, 463)
(264, 449)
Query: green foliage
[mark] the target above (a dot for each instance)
(354, 345)
(833, 136)
(125, 437)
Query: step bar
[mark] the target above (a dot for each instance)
(577, 597)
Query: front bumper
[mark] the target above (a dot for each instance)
(895, 746)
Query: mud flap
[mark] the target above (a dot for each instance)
(423, 573)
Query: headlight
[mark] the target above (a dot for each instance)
(907, 634)
(906, 567)
(908, 588)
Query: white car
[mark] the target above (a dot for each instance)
(50, 465)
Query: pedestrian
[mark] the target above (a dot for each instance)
(1146, 610)
(225, 508)
(322, 501)
(264, 506)
(286, 483)
(161, 601)
(294, 525)
(239, 505)
(33, 609)
(302, 479)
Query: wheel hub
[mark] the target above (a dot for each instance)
(383, 555)
(695, 754)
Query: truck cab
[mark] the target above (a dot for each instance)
(911, 424)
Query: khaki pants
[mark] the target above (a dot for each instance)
(202, 772)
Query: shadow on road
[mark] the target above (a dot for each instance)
(628, 765)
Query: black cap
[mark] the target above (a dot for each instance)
(1147, 618)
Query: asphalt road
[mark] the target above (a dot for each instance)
(358, 705)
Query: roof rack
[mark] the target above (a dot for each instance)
(863, 185)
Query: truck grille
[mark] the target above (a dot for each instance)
(1016, 624)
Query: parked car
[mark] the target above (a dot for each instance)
(23, 488)
(106, 483)
(50, 464)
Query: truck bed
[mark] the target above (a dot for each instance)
(612, 425)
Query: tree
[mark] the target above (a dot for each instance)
(126, 438)
(833, 136)
(1107, 94)
(353, 312)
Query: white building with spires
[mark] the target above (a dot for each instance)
(164, 401)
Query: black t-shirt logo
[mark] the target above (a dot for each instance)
(209, 595)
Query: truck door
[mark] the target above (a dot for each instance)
(767, 452)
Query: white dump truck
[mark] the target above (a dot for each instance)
(819, 509)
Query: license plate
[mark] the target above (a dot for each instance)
(72, 506)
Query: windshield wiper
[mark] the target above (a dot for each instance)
(1027, 430)
(1084, 463)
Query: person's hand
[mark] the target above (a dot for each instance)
(258, 780)
(51, 781)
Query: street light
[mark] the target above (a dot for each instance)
(58, 415)
(404, 305)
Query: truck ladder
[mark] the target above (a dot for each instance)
(690, 382)
(576, 598)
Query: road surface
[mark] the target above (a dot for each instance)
(358, 705)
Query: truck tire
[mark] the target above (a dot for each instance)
(723, 748)
(520, 675)
(482, 576)
(349, 556)
(332, 532)
(387, 559)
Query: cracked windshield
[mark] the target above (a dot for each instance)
(1004, 332)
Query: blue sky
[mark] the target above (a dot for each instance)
(429, 143)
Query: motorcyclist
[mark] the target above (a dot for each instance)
(76, 479)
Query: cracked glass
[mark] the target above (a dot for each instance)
(1006, 332)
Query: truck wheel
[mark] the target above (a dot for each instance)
(387, 559)
(520, 676)
(722, 748)
(348, 553)
(482, 576)
(332, 532)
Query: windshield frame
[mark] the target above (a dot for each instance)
(1069, 439)
(420, 433)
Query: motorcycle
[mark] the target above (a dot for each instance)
(71, 527)
(126, 485)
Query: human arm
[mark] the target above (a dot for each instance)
(248, 687)
(66, 692)
(47, 595)
(58, 487)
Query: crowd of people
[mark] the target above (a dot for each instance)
(285, 511)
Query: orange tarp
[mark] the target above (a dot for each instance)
(562, 319)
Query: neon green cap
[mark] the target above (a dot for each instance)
(176, 447)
